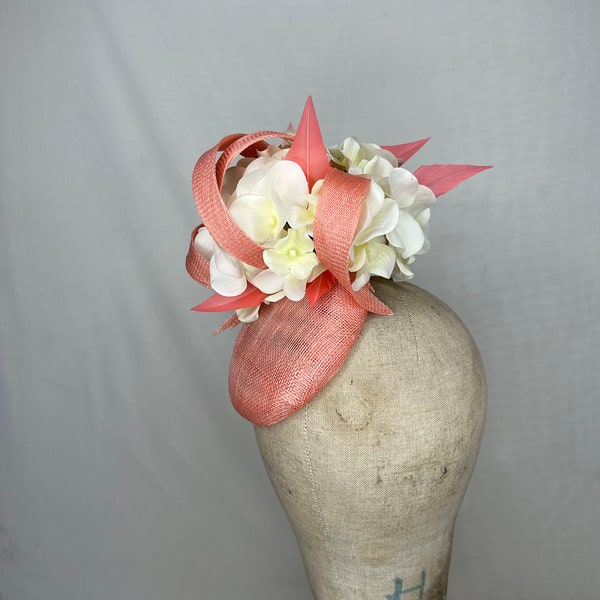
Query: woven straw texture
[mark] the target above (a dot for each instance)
(284, 358)
(372, 472)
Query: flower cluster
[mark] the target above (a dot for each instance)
(270, 199)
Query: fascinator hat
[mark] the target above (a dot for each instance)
(290, 236)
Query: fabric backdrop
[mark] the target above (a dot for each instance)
(124, 471)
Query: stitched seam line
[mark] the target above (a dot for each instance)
(412, 324)
(318, 509)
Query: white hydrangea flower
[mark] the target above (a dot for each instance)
(291, 263)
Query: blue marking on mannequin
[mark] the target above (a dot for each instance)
(399, 591)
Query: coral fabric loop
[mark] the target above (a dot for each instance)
(206, 186)
(336, 219)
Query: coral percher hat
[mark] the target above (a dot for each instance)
(289, 239)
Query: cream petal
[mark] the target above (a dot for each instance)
(318, 270)
(408, 235)
(294, 288)
(371, 206)
(226, 274)
(302, 268)
(358, 258)
(258, 217)
(351, 149)
(275, 297)
(425, 248)
(372, 150)
(383, 222)
(403, 271)
(277, 262)
(362, 277)
(403, 186)
(283, 177)
(299, 217)
(289, 181)
(247, 315)
(227, 264)
(255, 171)
(424, 196)
(423, 217)
(268, 282)
(378, 167)
(230, 182)
(382, 259)
(204, 243)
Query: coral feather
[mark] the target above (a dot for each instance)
(404, 151)
(442, 178)
(308, 149)
(319, 287)
(252, 296)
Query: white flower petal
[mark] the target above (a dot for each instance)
(378, 167)
(277, 262)
(247, 315)
(383, 222)
(227, 264)
(292, 254)
(403, 186)
(318, 270)
(403, 272)
(425, 248)
(302, 268)
(294, 288)
(423, 217)
(424, 196)
(371, 206)
(351, 149)
(275, 297)
(299, 217)
(372, 150)
(382, 259)
(363, 276)
(283, 177)
(268, 282)
(204, 243)
(358, 258)
(258, 217)
(255, 171)
(408, 235)
(226, 274)
(230, 182)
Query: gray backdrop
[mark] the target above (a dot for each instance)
(124, 471)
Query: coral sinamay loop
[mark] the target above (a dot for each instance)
(209, 203)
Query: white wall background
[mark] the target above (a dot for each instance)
(124, 471)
